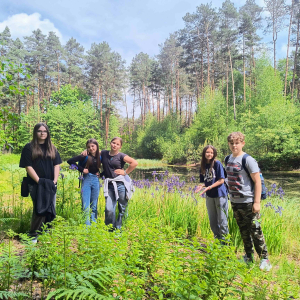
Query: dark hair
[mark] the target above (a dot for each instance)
(204, 161)
(89, 160)
(117, 138)
(35, 147)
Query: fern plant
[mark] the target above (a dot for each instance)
(86, 285)
(13, 295)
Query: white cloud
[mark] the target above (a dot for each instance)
(22, 24)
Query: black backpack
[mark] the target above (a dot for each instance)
(263, 186)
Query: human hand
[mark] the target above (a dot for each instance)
(120, 172)
(84, 153)
(199, 188)
(256, 207)
(85, 171)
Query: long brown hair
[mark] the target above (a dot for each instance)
(204, 161)
(37, 152)
(90, 159)
(117, 138)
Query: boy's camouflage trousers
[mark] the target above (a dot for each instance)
(250, 229)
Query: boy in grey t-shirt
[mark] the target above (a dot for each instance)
(245, 194)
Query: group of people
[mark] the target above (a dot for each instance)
(41, 160)
(243, 184)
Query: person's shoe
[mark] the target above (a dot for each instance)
(247, 259)
(265, 265)
(34, 241)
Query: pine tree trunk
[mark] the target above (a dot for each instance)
(152, 100)
(295, 57)
(208, 63)
(233, 93)
(133, 105)
(171, 100)
(227, 87)
(180, 109)
(274, 46)
(190, 113)
(58, 77)
(202, 75)
(19, 98)
(244, 70)
(177, 90)
(158, 107)
(38, 105)
(287, 51)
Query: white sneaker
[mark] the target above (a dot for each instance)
(34, 241)
(265, 265)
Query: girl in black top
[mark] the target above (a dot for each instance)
(90, 184)
(113, 163)
(41, 160)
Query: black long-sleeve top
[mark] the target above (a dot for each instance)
(92, 167)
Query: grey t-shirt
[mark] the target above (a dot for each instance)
(241, 187)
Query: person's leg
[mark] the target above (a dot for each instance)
(94, 197)
(258, 236)
(241, 213)
(122, 204)
(36, 221)
(213, 216)
(222, 212)
(110, 206)
(85, 197)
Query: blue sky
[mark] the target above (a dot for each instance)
(129, 26)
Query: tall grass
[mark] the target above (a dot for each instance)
(150, 163)
(157, 256)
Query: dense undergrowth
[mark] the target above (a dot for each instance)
(165, 250)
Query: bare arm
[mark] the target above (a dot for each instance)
(85, 152)
(32, 174)
(132, 165)
(217, 183)
(257, 191)
(56, 173)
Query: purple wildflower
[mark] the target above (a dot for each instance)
(73, 167)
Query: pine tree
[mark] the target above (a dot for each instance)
(275, 22)
(74, 60)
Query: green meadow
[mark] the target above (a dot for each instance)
(165, 250)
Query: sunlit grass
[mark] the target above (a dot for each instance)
(150, 163)
(158, 208)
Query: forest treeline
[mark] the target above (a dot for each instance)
(209, 78)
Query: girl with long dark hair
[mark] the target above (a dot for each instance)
(41, 160)
(212, 175)
(117, 184)
(90, 182)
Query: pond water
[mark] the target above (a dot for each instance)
(289, 181)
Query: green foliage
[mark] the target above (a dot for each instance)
(155, 139)
(69, 95)
(25, 129)
(71, 126)
(72, 122)
(165, 251)
(86, 285)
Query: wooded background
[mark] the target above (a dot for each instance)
(209, 78)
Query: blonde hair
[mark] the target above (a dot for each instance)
(236, 136)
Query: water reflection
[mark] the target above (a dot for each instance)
(290, 182)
